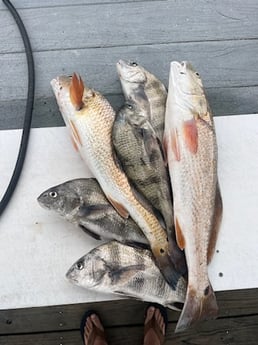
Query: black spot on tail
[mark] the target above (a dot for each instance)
(206, 291)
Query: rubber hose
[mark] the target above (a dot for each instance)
(28, 112)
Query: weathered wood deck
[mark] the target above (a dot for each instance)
(237, 323)
(219, 37)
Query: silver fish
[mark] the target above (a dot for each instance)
(89, 118)
(82, 202)
(136, 83)
(128, 271)
(190, 144)
(141, 157)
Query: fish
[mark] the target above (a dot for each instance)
(191, 151)
(82, 202)
(140, 154)
(89, 118)
(128, 271)
(136, 83)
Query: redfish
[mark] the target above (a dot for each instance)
(90, 119)
(191, 150)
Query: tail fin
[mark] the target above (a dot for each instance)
(197, 308)
(167, 268)
(177, 256)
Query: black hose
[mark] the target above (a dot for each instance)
(28, 112)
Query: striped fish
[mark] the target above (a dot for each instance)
(117, 268)
(137, 83)
(90, 118)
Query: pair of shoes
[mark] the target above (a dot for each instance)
(151, 325)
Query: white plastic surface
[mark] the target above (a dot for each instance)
(37, 247)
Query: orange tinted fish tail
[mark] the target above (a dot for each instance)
(197, 308)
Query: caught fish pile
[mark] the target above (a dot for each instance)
(158, 247)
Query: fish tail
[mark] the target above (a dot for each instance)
(168, 270)
(177, 256)
(197, 308)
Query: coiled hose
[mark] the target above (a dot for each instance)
(28, 112)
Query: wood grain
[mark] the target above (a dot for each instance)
(223, 101)
(232, 304)
(136, 23)
(222, 64)
(28, 4)
(237, 331)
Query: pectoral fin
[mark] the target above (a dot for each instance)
(175, 145)
(179, 235)
(93, 210)
(149, 140)
(90, 233)
(191, 135)
(124, 274)
(76, 91)
(165, 148)
(216, 224)
(75, 134)
(118, 207)
(74, 144)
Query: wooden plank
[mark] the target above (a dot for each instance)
(221, 64)
(223, 101)
(67, 317)
(59, 3)
(137, 23)
(237, 331)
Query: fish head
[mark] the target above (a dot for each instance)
(72, 94)
(187, 86)
(131, 72)
(133, 113)
(89, 271)
(62, 199)
(132, 76)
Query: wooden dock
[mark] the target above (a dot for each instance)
(237, 323)
(220, 38)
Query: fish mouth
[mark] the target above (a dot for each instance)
(70, 276)
(184, 80)
(179, 67)
(120, 65)
(40, 200)
(60, 82)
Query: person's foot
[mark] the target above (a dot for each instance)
(154, 326)
(94, 331)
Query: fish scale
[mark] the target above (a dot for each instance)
(141, 157)
(136, 80)
(90, 118)
(83, 203)
(121, 269)
(191, 150)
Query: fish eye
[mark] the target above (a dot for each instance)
(53, 194)
(198, 75)
(80, 265)
(133, 63)
(129, 106)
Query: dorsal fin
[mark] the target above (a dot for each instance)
(76, 91)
